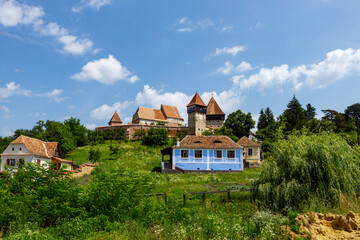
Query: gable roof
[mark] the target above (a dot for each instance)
(170, 111)
(209, 142)
(213, 108)
(245, 141)
(196, 100)
(36, 146)
(115, 118)
(150, 114)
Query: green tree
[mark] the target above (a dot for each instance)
(266, 118)
(94, 155)
(239, 123)
(338, 119)
(183, 133)
(58, 132)
(77, 130)
(156, 136)
(310, 111)
(294, 116)
(140, 134)
(353, 111)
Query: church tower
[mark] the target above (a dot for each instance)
(196, 110)
(214, 116)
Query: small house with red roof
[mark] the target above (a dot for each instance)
(204, 153)
(26, 149)
(251, 151)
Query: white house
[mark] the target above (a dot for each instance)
(26, 149)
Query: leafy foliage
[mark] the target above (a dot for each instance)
(321, 167)
(94, 155)
(156, 137)
(239, 123)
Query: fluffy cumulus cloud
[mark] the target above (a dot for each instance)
(93, 4)
(11, 89)
(13, 13)
(105, 70)
(337, 65)
(105, 111)
(229, 50)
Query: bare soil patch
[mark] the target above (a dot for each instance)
(84, 169)
(328, 226)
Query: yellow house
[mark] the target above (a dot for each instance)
(251, 151)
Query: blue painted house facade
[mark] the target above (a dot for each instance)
(205, 153)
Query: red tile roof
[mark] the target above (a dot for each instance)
(170, 111)
(60, 160)
(213, 108)
(209, 142)
(115, 118)
(246, 142)
(196, 100)
(150, 114)
(36, 146)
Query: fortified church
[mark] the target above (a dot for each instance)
(201, 117)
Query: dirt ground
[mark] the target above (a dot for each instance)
(84, 169)
(329, 226)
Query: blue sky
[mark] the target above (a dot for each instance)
(88, 58)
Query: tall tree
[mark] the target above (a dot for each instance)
(354, 112)
(310, 111)
(335, 117)
(77, 130)
(266, 118)
(294, 116)
(240, 123)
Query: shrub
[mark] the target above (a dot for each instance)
(304, 167)
(156, 137)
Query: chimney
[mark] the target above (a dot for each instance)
(178, 142)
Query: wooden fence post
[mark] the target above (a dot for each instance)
(184, 197)
(166, 198)
(228, 195)
(203, 197)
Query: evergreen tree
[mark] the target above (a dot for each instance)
(294, 116)
(338, 119)
(239, 123)
(354, 112)
(310, 111)
(266, 118)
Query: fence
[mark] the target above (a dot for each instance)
(200, 193)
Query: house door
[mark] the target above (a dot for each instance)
(38, 162)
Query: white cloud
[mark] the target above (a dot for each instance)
(105, 111)
(228, 100)
(186, 25)
(54, 94)
(226, 29)
(227, 69)
(94, 4)
(243, 67)
(105, 70)
(337, 65)
(5, 109)
(13, 13)
(229, 50)
(13, 89)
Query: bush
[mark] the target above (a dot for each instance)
(156, 137)
(321, 167)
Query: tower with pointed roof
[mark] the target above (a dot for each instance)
(196, 110)
(115, 120)
(214, 116)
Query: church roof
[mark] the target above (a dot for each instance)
(150, 114)
(213, 108)
(209, 142)
(246, 142)
(196, 100)
(170, 111)
(36, 146)
(115, 118)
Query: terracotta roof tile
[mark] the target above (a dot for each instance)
(36, 146)
(209, 142)
(245, 141)
(115, 119)
(57, 160)
(196, 100)
(213, 108)
(170, 111)
(150, 114)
